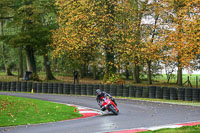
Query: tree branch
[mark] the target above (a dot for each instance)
(6, 17)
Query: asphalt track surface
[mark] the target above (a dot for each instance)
(133, 114)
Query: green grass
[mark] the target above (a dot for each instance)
(163, 78)
(22, 111)
(185, 129)
(158, 80)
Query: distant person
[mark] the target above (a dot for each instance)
(75, 77)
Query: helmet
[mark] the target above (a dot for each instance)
(98, 91)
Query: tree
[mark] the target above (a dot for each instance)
(181, 33)
(5, 13)
(140, 7)
(35, 19)
(136, 12)
(170, 67)
(106, 22)
(150, 47)
(88, 28)
(75, 38)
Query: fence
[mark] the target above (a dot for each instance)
(192, 81)
(169, 93)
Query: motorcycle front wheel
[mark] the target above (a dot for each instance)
(112, 109)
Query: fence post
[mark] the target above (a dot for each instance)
(197, 82)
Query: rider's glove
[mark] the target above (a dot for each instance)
(100, 104)
(111, 98)
(103, 108)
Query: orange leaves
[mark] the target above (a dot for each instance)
(151, 51)
(73, 35)
(11, 115)
(180, 36)
(86, 28)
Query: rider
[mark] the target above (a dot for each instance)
(103, 94)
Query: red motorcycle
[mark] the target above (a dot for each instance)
(109, 105)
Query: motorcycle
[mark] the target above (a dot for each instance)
(108, 104)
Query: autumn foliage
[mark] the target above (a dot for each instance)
(112, 33)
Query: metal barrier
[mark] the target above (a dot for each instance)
(169, 93)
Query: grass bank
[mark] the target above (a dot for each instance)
(22, 111)
(160, 80)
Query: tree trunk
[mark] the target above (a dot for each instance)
(168, 78)
(178, 5)
(127, 72)
(110, 68)
(49, 75)
(21, 65)
(94, 72)
(31, 63)
(136, 75)
(7, 66)
(139, 14)
(84, 70)
(8, 71)
(149, 72)
(179, 77)
(149, 61)
(109, 44)
(179, 74)
(4, 58)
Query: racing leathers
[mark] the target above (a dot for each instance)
(104, 95)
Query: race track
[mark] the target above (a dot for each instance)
(133, 114)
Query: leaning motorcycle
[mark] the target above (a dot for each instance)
(109, 105)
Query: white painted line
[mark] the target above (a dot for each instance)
(81, 107)
(164, 126)
(89, 112)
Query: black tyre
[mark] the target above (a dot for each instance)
(112, 109)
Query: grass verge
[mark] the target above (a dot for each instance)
(22, 111)
(185, 129)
